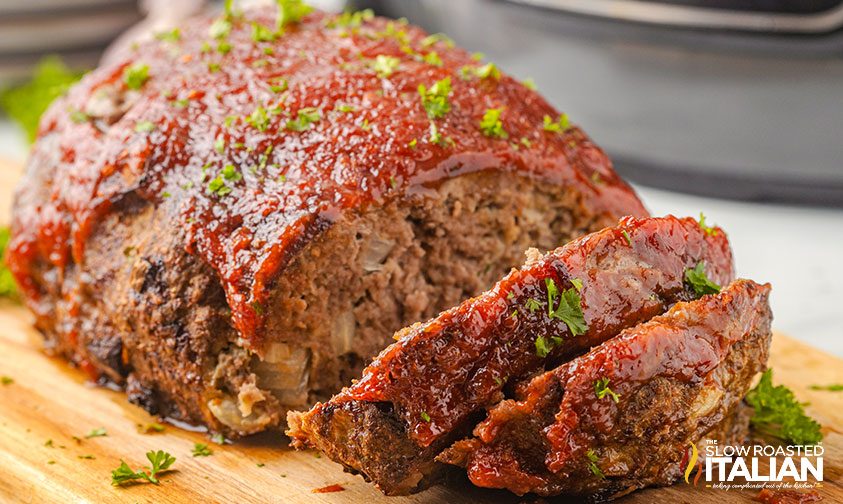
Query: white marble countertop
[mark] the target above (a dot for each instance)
(797, 249)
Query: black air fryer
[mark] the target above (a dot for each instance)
(729, 98)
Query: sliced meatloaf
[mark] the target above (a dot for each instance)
(621, 416)
(426, 390)
(229, 220)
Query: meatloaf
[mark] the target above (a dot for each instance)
(621, 416)
(429, 388)
(231, 219)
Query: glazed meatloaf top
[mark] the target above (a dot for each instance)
(260, 139)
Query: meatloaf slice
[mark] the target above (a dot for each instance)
(425, 391)
(231, 219)
(621, 416)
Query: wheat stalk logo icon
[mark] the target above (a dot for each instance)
(692, 462)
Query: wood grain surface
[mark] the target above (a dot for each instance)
(49, 407)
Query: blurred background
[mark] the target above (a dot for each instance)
(729, 107)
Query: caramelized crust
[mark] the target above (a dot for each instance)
(676, 377)
(423, 392)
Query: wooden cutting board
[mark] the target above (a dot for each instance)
(49, 408)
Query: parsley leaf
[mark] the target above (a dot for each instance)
(834, 387)
(699, 282)
(144, 126)
(569, 309)
(160, 461)
(135, 76)
(258, 119)
(489, 70)
(201, 450)
(8, 287)
(435, 99)
(385, 65)
(601, 390)
(6, 380)
(24, 104)
(291, 12)
(532, 304)
(560, 125)
(709, 230)
(98, 432)
(305, 117)
(261, 33)
(424, 416)
(491, 124)
(779, 414)
(351, 19)
(592, 464)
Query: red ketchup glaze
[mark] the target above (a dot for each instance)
(441, 372)
(674, 347)
(370, 145)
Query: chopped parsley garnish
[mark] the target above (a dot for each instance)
(491, 124)
(345, 108)
(261, 33)
(159, 461)
(144, 126)
(6, 380)
(435, 99)
(280, 85)
(560, 125)
(626, 237)
(424, 416)
(577, 283)
(437, 37)
(779, 414)
(201, 450)
(601, 390)
(24, 104)
(592, 464)
(258, 119)
(385, 65)
(545, 346)
(350, 19)
(8, 288)
(530, 84)
(49, 443)
(218, 439)
(699, 282)
(834, 387)
(218, 187)
(432, 58)
(98, 432)
(709, 230)
(304, 118)
(569, 309)
(173, 35)
(533, 305)
(223, 47)
(229, 172)
(135, 76)
(489, 70)
(291, 12)
(86, 457)
(150, 427)
(220, 28)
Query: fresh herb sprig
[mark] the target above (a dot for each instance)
(8, 288)
(24, 104)
(779, 414)
(698, 281)
(159, 461)
(601, 390)
(569, 309)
